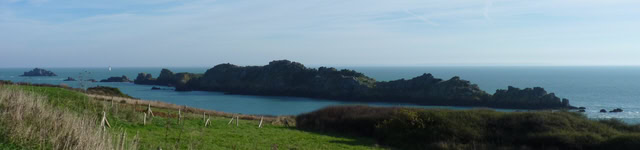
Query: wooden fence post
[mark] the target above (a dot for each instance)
(230, 121)
(149, 110)
(206, 123)
(260, 125)
(145, 119)
(237, 120)
(179, 115)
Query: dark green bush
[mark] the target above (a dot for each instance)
(412, 128)
(622, 142)
(108, 91)
(621, 126)
(359, 120)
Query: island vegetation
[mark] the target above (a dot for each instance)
(117, 79)
(38, 72)
(413, 128)
(287, 78)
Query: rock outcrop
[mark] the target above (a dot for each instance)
(287, 78)
(617, 110)
(426, 89)
(166, 78)
(536, 96)
(117, 79)
(145, 79)
(70, 79)
(38, 72)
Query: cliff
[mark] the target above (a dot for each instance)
(287, 78)
(536, 96)
(426, 89)
(38, 72)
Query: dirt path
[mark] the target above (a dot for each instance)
(158, 104)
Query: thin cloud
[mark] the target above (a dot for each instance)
(487, 7)
(421, 18)
(311, 31)
(32, 2)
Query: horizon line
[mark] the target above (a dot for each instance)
(337, 66)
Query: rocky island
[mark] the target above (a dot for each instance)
(287, 78)
(166, 78)
(70, 79)
(38, 72)
(117, 79)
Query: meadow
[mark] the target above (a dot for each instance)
(129, 131)
(52, 117)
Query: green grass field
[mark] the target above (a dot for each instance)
(190, 133)
(39, 117)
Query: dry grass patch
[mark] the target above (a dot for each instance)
(27, 120)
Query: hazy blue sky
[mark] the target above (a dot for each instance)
(96, 33)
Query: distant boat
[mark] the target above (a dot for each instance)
(109, 68)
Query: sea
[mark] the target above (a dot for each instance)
(592, 87)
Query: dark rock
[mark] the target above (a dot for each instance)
(70, 79)
(603, 110)
(166, 78)
(616, 110)
(536, 96)
(155, 88)
(287, 78)
(38, 72)
(581, 110)
(144, 78)
(117, 79)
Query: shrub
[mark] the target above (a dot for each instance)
(621, 126)
(359, 120)
(626, 141)
(107, 91)
(412, 128)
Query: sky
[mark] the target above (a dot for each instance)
(199, 33)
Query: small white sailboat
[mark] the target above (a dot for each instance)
(109, 68)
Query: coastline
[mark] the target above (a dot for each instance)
(289, 78)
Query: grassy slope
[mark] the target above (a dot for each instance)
(219, 135)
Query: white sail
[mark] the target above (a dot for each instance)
(109, 68)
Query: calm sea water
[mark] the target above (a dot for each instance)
(592, 87)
